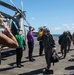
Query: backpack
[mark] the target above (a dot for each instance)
(60, 39)
(54, 57)
(68, 39)
(38, 38)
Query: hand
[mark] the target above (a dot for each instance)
(1, 21)
(6, 28)
(1, 15)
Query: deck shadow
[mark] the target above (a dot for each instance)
(39, 71)
(59, 52)
(35, 56)
(71, 60)
(8, 53)
(48, 73)
(7, 68)
(72, 55)
(14, 63)
(69, 68)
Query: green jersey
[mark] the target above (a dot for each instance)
(20, 40)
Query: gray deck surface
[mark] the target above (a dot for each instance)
(63, 67)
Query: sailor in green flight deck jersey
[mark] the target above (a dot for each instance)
(19, 50)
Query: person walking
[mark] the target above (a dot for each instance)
(49, 44)
(19, 50)
(30, 38)
(69, 40)
(64, 42)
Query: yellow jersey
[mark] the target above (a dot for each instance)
(40, 33)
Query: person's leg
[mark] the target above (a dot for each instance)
(31, 46)
(62, 49)
(48, 53)
(31, 50)
(69, 46)
(18, 57)
(48, 58)
(41, 48)
(65, 51)
(21, 54)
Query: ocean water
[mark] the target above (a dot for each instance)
(35, 35)
(56, 34)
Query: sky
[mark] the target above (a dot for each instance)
(56, 15)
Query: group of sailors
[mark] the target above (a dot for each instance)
(47, 43)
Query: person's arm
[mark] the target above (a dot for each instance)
(30, 36)
(10, 40)
(53, 41)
